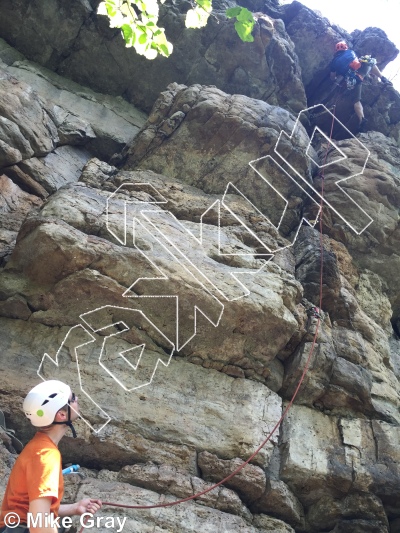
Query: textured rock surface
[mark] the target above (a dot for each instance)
(380, 103)
(70, 220)
(26, 129)
(187, 122)
(249, 483)
(186, 517)
(7, 460)
(199, 516)
(179, 484)
(49, 128)
(82, 117)
(100, 262)
(14, 205)
(164, 405)
(315, 47)
(376, 191)
(87, 51)
(92, 54)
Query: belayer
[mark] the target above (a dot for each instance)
(36, 483)
(345, 65)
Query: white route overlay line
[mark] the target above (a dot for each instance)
(282, 133)
(165, 278)
(124, 351)
(131, 201)
(277, 227)
(271, 251)
(183, 257)
(48, 358)
(201, 275)
(344, 156)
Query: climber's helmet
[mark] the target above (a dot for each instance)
(341, 45)
(44, 401)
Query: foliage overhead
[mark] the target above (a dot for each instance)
(244, 22)
(138, 21)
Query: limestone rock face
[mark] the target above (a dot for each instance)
(79, 116)
(380, 104)
(376, 191)
(166, 478)
(343, 455)
(354, 348)
(85, 49)
(186, 517)
(26, 129)
(49, 129)
(187, 122)
(83, 117)
(212, 511)
(94, 271)
(85, 255)
(86, 263)
(249, 483)
(11, 218)
(176, 284)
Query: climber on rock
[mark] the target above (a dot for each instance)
(345, 65)
(32, 501)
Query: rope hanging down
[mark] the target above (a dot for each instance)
(235, 472)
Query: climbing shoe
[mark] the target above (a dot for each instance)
(363, 127)
(387, 82)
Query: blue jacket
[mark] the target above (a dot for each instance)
(341, 61)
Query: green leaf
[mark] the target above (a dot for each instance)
(233, 12)
(127, 11)
(111, 11)
(127, 32)
(164, 50)
(138, 21)
(244, 31)
(163, 46)
(245, 15)
(205, 4)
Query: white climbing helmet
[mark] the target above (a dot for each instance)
(43, 401)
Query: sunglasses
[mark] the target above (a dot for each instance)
(73, 398)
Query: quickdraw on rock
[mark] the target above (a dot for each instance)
(315, 312)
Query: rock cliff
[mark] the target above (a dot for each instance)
(160, 243)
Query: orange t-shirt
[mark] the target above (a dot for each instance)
(37, 473)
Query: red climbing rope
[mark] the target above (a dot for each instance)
(235, 472)
(251, 456)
